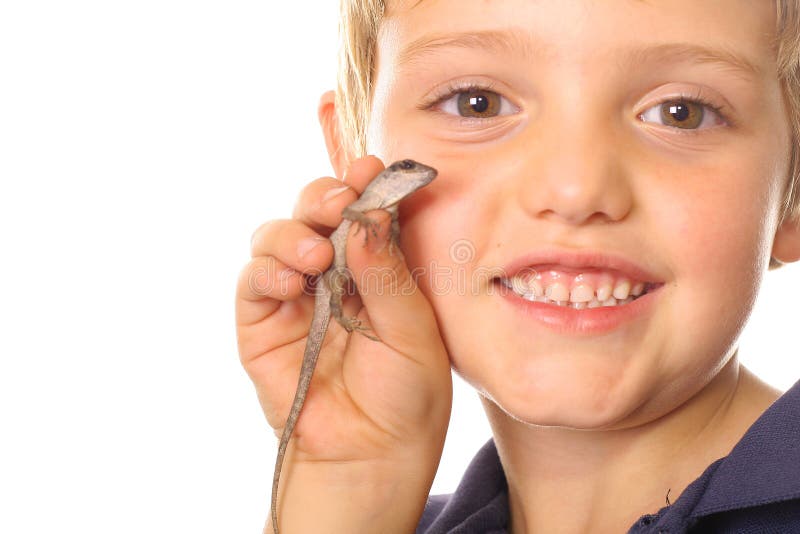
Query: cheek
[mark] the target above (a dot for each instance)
(713, 232)
(712, 221)
(444, 246)
(438, 249)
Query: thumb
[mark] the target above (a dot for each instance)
(398, 312)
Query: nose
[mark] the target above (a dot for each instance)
(576, 175)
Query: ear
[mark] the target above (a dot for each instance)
(329, 120)
(786, 246)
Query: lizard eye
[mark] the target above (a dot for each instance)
(404, 165)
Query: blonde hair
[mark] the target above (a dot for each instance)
(358, 32)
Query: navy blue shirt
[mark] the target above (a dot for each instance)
(753, 490)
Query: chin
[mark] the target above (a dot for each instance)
(592, 403)
(557, 414)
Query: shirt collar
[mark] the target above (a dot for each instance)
(479, 504)
(764, 467)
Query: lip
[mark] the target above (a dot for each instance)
(588, 321)
(581, 261)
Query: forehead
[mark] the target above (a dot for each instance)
(741, 31)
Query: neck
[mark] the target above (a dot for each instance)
(568, 480)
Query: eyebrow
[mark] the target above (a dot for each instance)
(722, 57)
(518, 42)
(505, 41)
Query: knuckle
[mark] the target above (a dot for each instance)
(255, 279)
(276, 236)
(390, 278)
(261, 277)
(402, 279)
(323, 206)
(263, 232)
(313, 195)
(304, 200)
(265, 276)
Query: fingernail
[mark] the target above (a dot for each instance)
(304, 246)
(334, 192)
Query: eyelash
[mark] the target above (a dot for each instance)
(454, 88)
(697, 98)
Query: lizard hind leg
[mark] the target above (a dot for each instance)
(353, 324)
(337, 280)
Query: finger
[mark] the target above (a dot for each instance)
(265, 278)
(398, 312)
(269, 310)
(321, 202)
(273, 309)
(293, 244)
(286, 325)
(362, 171)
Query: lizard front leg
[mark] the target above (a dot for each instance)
(369, 224)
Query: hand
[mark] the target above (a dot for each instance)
(372, 428)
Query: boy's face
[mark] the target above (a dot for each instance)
(559, 125)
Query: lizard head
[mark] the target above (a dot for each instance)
(404, 177)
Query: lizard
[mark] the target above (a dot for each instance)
(385, 191)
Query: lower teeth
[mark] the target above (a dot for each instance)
(580, 305)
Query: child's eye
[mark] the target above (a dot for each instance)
(684, 114)
(474, 103)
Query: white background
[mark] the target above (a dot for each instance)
(140, 145)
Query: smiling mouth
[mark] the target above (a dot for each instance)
(577, 293)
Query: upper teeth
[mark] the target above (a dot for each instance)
(577, 291)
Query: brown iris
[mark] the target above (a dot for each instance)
(682, 114)
(479, 104)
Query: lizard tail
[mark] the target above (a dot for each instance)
(319, 324)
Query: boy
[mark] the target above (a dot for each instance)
(622, 173)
